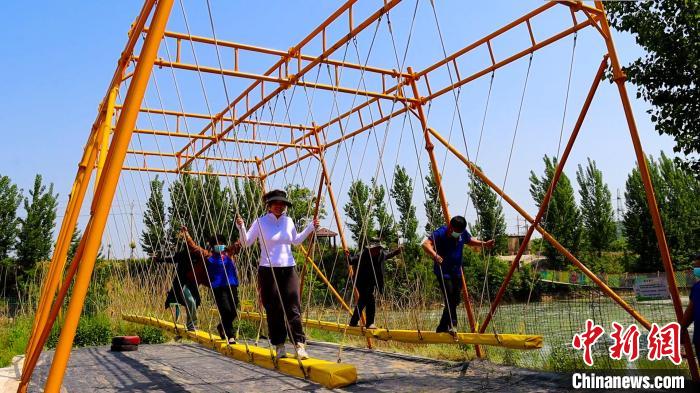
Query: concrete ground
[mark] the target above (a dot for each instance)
(192, 368)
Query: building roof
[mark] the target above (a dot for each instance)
(325, 232)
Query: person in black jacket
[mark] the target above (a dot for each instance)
(369, 274)
(184, 289)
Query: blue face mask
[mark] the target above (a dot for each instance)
(219, 248)
(696, 272)
(456, 235)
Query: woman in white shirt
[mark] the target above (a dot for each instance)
(277, 278)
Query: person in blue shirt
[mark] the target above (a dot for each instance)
(222, 277)
(445, 245)
(692, 313)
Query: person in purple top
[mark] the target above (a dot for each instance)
(692, 313)
(445, 245)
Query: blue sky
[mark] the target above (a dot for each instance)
(58, 58)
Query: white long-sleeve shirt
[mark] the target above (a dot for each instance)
(276, 237)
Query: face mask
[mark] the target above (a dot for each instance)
(696, 272)
(456, 235)
(219, 248)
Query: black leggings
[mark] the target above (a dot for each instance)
(451, 291)
(365, 302)
(226, 301)
(288, 281)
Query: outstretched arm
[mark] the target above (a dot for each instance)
(298, 238)
(481, 243)
(192, 246)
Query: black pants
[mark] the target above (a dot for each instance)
(280, 296)
(226, 298)
(365, 302)
(451, 291)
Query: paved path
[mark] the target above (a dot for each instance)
(192, 368)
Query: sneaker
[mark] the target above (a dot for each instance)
(281, 351)
(372, 326)
(231, 340)
(352, 324)
(191, 328)
(301, 351)
(452, 330)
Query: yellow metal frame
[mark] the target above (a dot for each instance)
(288, 69)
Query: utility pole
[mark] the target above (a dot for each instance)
(618, 228)
(132, 244)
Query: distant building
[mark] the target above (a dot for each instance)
(514, 242)
(325, 235)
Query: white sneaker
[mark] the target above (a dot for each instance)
(231, 340)
(372, 326)
(301, 351)
(281, 351)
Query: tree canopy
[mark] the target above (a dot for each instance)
(668, 74)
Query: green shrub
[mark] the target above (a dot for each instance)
(523, 285)
(151, 335)
(91, 331)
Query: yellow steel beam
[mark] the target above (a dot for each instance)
(282, 81)
(329, 374)
(282, 54)
(173, 155)
(512, 341)
(105, 130)
(204, 116)
(213, 138)
(186, 172)
(105, 194)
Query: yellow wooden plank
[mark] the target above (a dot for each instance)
(513, 341)
(329, 374)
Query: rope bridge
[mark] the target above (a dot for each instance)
(323, 118)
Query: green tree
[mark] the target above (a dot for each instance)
(385, 222)
(248, 194)
(183, 205)
(153, 241)
(357, 209)
(10, 198)
(303, 204)
(36, 228)
(75, 238)
(490, 223)
(668, 74)
(676, 192)
(562, 219)
(402, 192)
(433, 209)
(596, 208)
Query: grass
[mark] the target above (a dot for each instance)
(14, 335)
